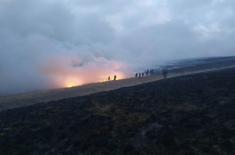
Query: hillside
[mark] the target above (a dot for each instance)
(195, 64)
(193, 114)
(183, 67)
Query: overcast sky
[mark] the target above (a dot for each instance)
(43, 42)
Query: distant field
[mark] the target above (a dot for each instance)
(193, 114)
(15, 101)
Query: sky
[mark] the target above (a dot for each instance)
(57, 43)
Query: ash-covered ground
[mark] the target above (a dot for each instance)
(193, 114)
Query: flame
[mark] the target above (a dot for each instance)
(72, 83)
(63, 73)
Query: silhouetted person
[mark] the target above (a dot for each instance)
(147, 72)
(139, 75)
(164, 73)
(109, 78)
(136, 75)
(115, 77)
(142, 74)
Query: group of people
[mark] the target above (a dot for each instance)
(114, 78)
(148, 72)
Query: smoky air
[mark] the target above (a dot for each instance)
(55, 44)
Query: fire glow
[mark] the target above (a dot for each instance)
(70, 72)
(72, 82)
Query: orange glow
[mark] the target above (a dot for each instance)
(68, 72)
(119, 75)
(70, 85)
(71, 82)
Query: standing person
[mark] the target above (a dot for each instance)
(139, 75)
(109, 78)
(147, 72)
(142, 74)
(115, 77)
(136, 75)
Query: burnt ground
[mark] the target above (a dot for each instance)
(185, 115)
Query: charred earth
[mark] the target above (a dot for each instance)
(193, 114)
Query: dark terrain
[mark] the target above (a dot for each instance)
(191, 65)
(194, 114)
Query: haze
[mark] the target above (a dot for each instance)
(46, 43)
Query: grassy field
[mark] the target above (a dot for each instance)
(193, 114)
